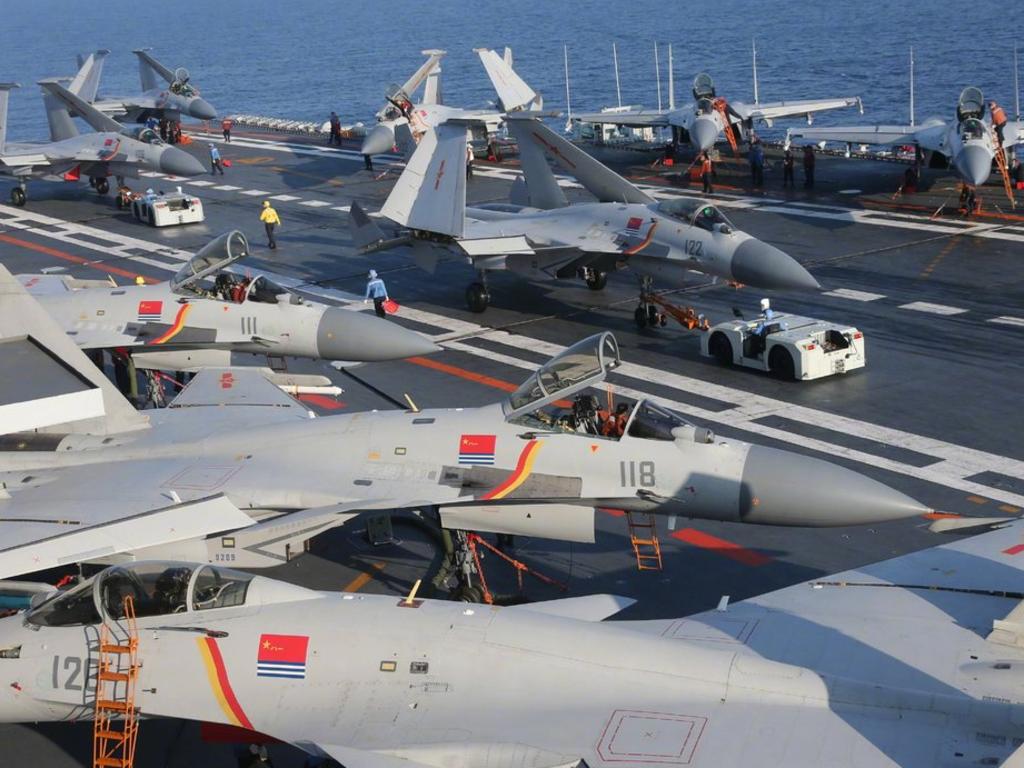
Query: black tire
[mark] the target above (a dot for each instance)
(18, 196)
(477, 297)
(640, 317)
(470, 595)
(720, 348)
(102, 186)
(780, 364)
(653, 318)
(597, 280)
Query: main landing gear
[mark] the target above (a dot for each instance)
(18, 196)
(100, 184)
(478, 296)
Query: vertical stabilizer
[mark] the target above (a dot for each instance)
(433, 62)
(87, 82)
(5, 92)
(61, 125)
(602, 182)
(432, 90)
(430, 195)
(152, 71)
(513, 92)
(542, 190)
(70, 102)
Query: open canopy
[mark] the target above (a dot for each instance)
(215, 256)
(582, 365)
(971, 103)
(703, 87)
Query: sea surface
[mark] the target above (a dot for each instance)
(301, 59)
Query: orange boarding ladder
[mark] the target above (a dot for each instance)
(723, 109)
(115, 722)
(1004, 171)
(643, 535)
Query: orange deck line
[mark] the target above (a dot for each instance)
(722, 547)
(58, 254)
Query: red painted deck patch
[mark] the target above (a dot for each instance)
(722, 547)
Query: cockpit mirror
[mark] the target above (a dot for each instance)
(582, 365)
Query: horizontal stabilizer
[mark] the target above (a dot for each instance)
(364, 230)
(965, 524)
(51, 368)
(602, 182)
(178, 522)
(587, 608)
(216, 387)
(430, 195)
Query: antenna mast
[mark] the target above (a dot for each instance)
(657, 73)
(615, 59)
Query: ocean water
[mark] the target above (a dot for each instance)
(300, 59)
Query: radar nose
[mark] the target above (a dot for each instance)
(178, 162)
(783, 488)
(756, 263)
(704, 132)
(361, 337)
(975, 164)
(201, 109)
(378, 141)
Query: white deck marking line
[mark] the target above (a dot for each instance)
(849, 293)
(935, 309)
(200, 183)
(227, 188)
(151, 174)
(1006, 320)
(956, 462)
(285, 198)
(344, 208)
(254, 192)
(315, 203)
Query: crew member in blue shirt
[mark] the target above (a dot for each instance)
(376, 290)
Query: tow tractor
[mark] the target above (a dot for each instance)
(787, 346)
(168, 210)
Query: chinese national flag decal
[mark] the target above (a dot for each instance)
(150, 311)
(282, 656)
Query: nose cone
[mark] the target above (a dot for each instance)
(703, 133)
(201, 109)
(378, 141)
(366, 338)
(760, 265)
(178, 162)
(974, 164)
(782, 488)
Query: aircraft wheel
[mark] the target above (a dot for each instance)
(18, 196)
(653, 319)
(477, 297)
(102, 186)
(780, 364)
(640, 317)
(596, 280)
(721, 349)
(470, 595)
(92, 182)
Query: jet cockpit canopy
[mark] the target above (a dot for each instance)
(696, 213)
(584, 364)
(970, 104)
(219, 253)
(703, 87)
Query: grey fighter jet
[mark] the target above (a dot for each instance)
(69, 155)
(235, 471)
(401, 117)
(909, 663)
(210, 314)
(968, 144)
(175, 99)
(541, 235)
(704, 120)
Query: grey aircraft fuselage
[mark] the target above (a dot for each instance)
(368, 680)
(161, 103)
(666, 241)
(186, 330)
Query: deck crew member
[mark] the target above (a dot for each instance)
(787, 168)
(376, 290)
(998, 120)
(225, 128)
(215, 164)
(706, 170)
(270, 220)
(808, 166)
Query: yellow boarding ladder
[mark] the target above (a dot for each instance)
(1004, 171)
(115, 722)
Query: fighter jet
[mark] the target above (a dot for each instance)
(235, 471)
(212, 314)
(703, 121)
(402, 118)
(913, 662)
(968, 144)
(179, 97)
(541, 235)
(70, 155)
